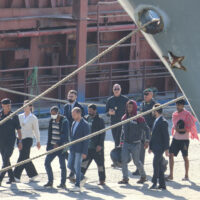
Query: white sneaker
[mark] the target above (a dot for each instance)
(75, 189)
(82, 183)
(17, 180)
(33, 178)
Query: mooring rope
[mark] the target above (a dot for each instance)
(92, 134)
(78, 70)
(45, 98)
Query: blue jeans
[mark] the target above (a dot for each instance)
(48, 168)
(134, 150)
(74, 164)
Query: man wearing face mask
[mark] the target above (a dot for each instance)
(58, 134)
(72, 98)
(96, 144)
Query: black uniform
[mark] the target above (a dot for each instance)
(159, 143)
(96, 124)
(149, 120)
(7, 142)
(145, 107)
(119, 105)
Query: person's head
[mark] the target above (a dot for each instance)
(159, 112)
(72, 96)
(6, 105)
(180, 105)
(54, 112)
(148, 95)
(131, 107)
(92, 110)
(117, 90)
(76, 114)
(28, 108)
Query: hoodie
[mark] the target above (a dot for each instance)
(132, 132)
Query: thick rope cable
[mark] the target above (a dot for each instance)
(92, 135)
(78, 70)
(45, 98)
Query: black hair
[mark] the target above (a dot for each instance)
(181, 102)
(93, 106)
(160, 111)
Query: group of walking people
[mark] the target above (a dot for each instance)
(131, 139)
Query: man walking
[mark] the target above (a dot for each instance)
(146, 105)
(131, 138)
(115, 107)
(96, 144)
(159, 144)
(8, 138)
(72, 98)
(58, 134)
(183, 127)
(78, 152)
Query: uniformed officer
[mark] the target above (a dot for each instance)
(146, 105)
(8, 138)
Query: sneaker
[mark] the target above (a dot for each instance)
(142, 180)
(123, 181)
(75, 189)
(82, 183)
(153, 187)
(17, 180)
(49, 185)
(33, 179)
(61, 186)
(11, 182)
(136, 173)
(162, 187)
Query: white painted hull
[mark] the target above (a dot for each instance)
(181, 35)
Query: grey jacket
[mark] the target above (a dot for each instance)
(133, 131)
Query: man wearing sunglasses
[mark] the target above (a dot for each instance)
(115, 107)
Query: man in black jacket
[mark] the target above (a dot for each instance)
(72, 98)
(58, 135)
(96, 144)
(159, 144)
(115, 107)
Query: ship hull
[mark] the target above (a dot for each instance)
(180, 36)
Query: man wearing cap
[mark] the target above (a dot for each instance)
(146, 105)
(8, 138)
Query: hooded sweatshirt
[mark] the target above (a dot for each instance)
(132, 132)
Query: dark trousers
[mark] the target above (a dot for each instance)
(48, 168)
(158, 169)
(116, 133)
(6, 153)
(23, 155)
(98, 157)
